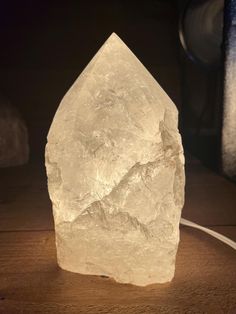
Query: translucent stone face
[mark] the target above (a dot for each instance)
(115, 170)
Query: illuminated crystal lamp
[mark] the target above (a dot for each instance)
(115, 169)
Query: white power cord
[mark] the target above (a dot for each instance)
(217, 235)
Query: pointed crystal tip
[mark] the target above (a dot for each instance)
(115, 172)
(114, 36)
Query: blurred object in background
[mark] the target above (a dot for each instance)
(14, 149)
(229, 111)
(45, 45)
(200, 30)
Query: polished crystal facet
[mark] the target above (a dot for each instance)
(115, 170)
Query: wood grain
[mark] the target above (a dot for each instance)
(31, 281)
(210, 199)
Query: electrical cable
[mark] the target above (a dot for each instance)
(214, 234)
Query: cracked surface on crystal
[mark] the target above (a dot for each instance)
(115, 170)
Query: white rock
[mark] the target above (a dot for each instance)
(115, 171)
(14, 147)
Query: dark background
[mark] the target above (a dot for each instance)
(44, 47)
(46, 44)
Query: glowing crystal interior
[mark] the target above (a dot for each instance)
(115, 169)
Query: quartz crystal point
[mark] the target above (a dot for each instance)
(115, 169)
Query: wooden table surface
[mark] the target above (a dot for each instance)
(31, 281)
